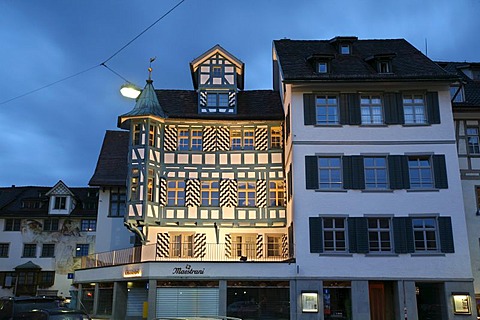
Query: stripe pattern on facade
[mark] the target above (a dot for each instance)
(261, 190)
(223, 138)
(228, 245)
(203, 99)
(163, 242)
(170, 138)
(259, 249)
(199, 245)
(261, 138)
(231, 99)
(209, 139)
(228, 193)
(192, 193)
(163, 192)
(284, 246)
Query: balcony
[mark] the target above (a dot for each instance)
(210, 252)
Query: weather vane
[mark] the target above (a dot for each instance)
(150, 68)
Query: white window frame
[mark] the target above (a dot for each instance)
(371, 109)
(376, 235)
(422, 234)
(416, 106)
(336, 230)
(416, 164)
(327, 170)
(331, 116)
(376, 168)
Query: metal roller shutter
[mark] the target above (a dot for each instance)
(187, 302)
(135, 300)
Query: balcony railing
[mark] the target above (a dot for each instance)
(211, 252)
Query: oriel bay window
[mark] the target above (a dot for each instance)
(417, 172)
(134, 195)
(380, 235)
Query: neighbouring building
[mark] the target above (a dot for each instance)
(43, 231)
(336, 195)
(465, 95)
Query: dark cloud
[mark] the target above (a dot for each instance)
(56, 133)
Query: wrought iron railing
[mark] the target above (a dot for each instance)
(211, 252)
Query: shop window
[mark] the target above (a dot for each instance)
(337, 301)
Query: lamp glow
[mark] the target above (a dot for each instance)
(129, 90)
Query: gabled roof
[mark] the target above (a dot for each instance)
(60, 188)
(471, 87)
(214, 50)
(112, 164)
(407, 62)
(28, 266)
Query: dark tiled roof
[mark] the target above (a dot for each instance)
(112, 162)
(471, 87)
(407, 63)
(147, 103)
(11, 199)
(251, 105)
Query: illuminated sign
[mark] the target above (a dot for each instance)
(187, 270)
(131, 273)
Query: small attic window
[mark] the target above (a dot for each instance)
(322, 67)
(384, 67)
(345, 48)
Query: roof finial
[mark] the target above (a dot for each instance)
(150, 68)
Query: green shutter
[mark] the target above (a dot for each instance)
(316, 235)
(309, 116)
(403, 235)
(440, 172)
(311, 172)
(358, 235)
(400, 112)
(446, 234)
(353, 172)
(350, 109)
(398, 172)
(433, 108)
(343, 108)
(290, 182)
(393, 107)
(347, 175)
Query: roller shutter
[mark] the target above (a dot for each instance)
(187, 302)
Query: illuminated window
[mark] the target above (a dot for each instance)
(277, 193)
(246, 194)
(209, 193)
(176, 192)
(150, 185)
(190, 139)
(244, 245)
(181, 245)
(88, 225)
(136, 135)
(274, 246)
(134, 185)
(242, 139)
(82, 250)
(276, 141)
(151, 136)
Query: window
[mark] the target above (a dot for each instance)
(327, 110)
(244, 245)
(371, 109)
(151, 136)
(456, 93)
(82, 250)
(345, 48)
(89, 225)
(29, 250)
(136, 135)
(277, 193)
(60, 203)
(322, 67)
(176, 193)
(12, 224)
(190, 139)
(150, 185)
(330, 172)
(425, 234)
(217, 99)
(118, 204)
(473, 140)
(276, 141)
(246, 194)
(334, 235)
(420, 172)
(181, 246)
(50, 225)
(477, 194)
(209, 193)
(48, 250)
(375, 172)
(384, 67)
(4, 250)
(379, 235)
(216, 71)
(414, 109)
(274, 246)
(47, 279)
(242, 139)
(134, 185)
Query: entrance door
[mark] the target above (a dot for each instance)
(377, 300)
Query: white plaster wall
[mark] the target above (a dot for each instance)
(473, 226)
(111, 233)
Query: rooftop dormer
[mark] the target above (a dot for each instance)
(217, 76)
(61, 199)
(343, 44)
(382, 63)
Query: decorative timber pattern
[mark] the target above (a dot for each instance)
(163, 192)
(199, 245)
(163, 242)
(259, 249)
(231, 99)
(228, 246)
(284, 246)
(192, 193)
(261, 139)
(223, 138)
(209, 139)
(228, 193)
(261, 190)
(203, 99)
(170, 138)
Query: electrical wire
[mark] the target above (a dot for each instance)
(104, 63)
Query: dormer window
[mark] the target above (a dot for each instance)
(456, 93)
(345, 48)
(322, 67)
(384, 67)
(60, 203)
(217, 99)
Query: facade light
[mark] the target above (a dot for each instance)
(129, 90)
